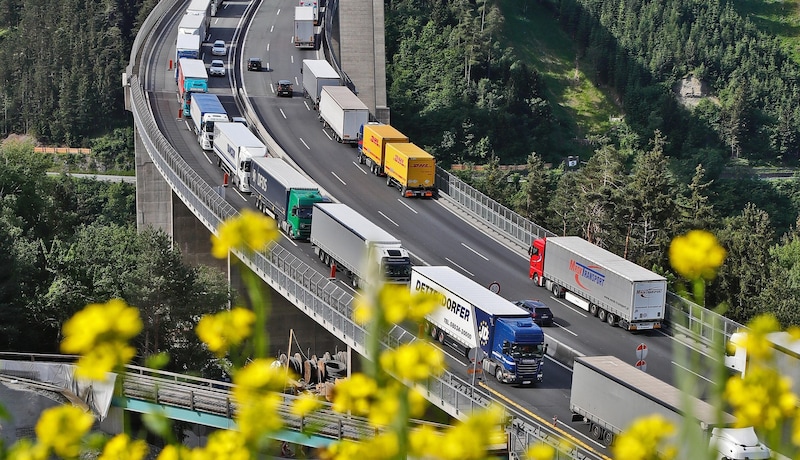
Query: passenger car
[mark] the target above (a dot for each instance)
(219, 49)
(254, 64)
(217, 68)
(540, 313)
(284, 88)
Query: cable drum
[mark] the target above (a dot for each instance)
(335, 369)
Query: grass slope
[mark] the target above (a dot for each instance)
(778, 18)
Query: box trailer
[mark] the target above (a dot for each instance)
(342, 112)
(372, 141)
(410, 169)
(236, 146)
(606, 285)
(317, 73)
(304, 27)
(609, 394)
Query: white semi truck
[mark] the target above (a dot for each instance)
(609, 394)
(345, 238)
(303, 27)
(607, 286)
(343, 112)
(206, 110)
(317, 73)
(235, 147)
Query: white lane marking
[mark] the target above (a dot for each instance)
(268, 68)
(476, 252)
(407, 205)
(292, 58)
(271, 88)
(304, 143)
(334, 175)
(326, 134)
(459, 266)
(278, 12)
(691, 371)
(306, 103)
(236, 189)
(565, 329)
(361, 169)
(284, 115)
(267, 46)
(270, 28)
(297, 82)
(286, 237)
(207, 157)
(387, 218)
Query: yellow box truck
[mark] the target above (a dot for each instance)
(410, 169)
(372, 141)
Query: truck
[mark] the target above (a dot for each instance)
(303, 27)
(608, 394)
(186, 46)
(192, 79)
(344, 238)
(343, 112)
(785, 356)
(206, 110)
(236, 146)
(372, 140)
(284, 193)
(410, 169)
(607, 286)
(473, 319)
(317, 73)
(204, 7)
(194, 24)
(315, 5)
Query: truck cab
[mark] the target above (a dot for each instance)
(301, 206)
(395, 265)
(517, 351)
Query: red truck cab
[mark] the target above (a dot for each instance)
(536, 251)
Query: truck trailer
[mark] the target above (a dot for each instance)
(471, 316)
(186, 46)
(607, 286)
(205, 110)
(345, 238)
(372, 141)
(285, 194)
(236, 146)
(304, 27)
(194, 24)
(343, 112)
(410, 169)
(317, 73)
(609, 394)
(313, 4)
(192, 79)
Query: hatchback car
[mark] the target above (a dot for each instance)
(540, 313)
(219, 49)
(217, 68)
(285, 88)
(254, 64)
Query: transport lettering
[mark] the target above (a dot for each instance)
(459, 310)
(586, 272)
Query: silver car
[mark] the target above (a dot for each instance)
(217, 68)
(219, 48)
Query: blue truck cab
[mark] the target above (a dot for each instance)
(517, 351)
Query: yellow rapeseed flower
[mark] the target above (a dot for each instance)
(257, 378)
(755, 340)
(175, 452)
(249, 231)
(363, 310)
(416, 361)
(121, 447)
(424, 442)
(540, 452)
(355, 394)
(645, 439)
(696, 255)
(100, 333)
(472, 438)
(61, 429)
(382, 446)
(25, 449)
(227, 444)
(397, 304)
(225, 329)
(762, 399)
(306, 404)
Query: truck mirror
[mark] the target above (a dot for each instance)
(530, 250)
(294, 210)
(506, 347)
(545, 348)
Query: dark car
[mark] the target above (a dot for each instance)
(540, 313)
(254, 64)
(284, 88)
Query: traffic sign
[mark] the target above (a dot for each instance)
(641, 351)
(641, 364)
(495, 287)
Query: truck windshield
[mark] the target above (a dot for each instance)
(398, 269)
(304, 212)
(527, 350)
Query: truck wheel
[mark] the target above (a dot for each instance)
(593, 309)
(597, 432)
(388, 181)
(608, 438)
(535, 279)
(602, 314)
(498, 374)
(556, 290)
(441, 336)
(611, 319)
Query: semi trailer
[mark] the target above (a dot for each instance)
(317, 73)
(236, 146)
(206, 110)
(343, 112)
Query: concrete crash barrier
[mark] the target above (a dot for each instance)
(560, 352)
